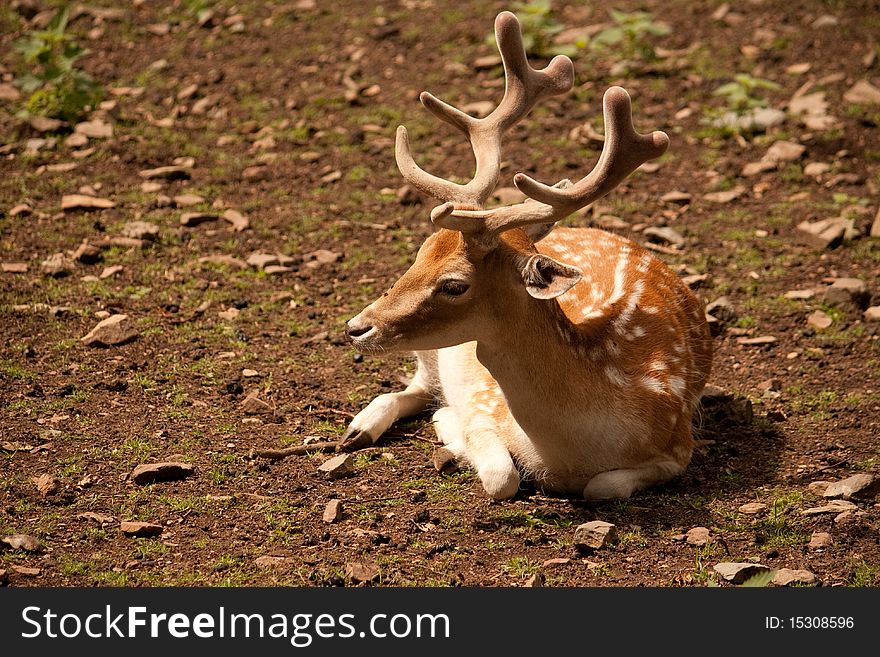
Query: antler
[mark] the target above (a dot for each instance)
(524, 86)
(623, 152)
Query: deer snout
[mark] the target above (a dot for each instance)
(357, 328)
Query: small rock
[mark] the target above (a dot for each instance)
(94, 129)
(45, 124)
(875, 227)
(858, 485)
(758, 341)
(321, 257)
(166, 471)
(255, 173)
(237, 220)
(140, 529)
(230, 313)
(594, 535)
(535, 581)
(57, 265)
(20, 210)
(676, 197)
(253, 405)
(115, 330)
(140, 230)
(863, 93)
(14, 267)
(362, 571)
(770, 385)
(331, 177)
(825, 20)
(872, 314)
(190, 219)
(737, 573)
(228, 261)
(333, 511)
(83, 202)
(835, 506)
(173, 172)
(787, 576)
(76, 140)
(100, 518)
(47, 484)
(268, 561)
(754, 168)
(725, 196)
(21, 542)
(110, 271)
(820, 540)
(664, 235)
(249, 374)
(87, 253)
(753, 508)
(4, 577)
(722, 309)
(8, 93)
(186, 200)
(262, 260)
(846, 290)
(698, 536)
(819, 320)
(784, 151)
(800, 294)
(816, 169)
(337, 466)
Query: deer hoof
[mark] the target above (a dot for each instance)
(354, 439)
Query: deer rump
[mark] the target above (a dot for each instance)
(570, 356)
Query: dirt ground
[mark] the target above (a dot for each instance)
(288, 111)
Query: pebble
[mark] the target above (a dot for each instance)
(337, 466)
(862, 93)
(819, 319)
(140, 230)
(725, 196)
(47, 485)
(190, 219)
(737, 573)
(872, 314)
(20, 210)
(140, 529)
(114, 330)
(333, 511)
(820, 540)
(186, 200)
(173, 172)
(253, 405)
(834, 506)
(57, 265)
(237, 220)
(83, 202)
(166, 471)
(22, 542)
(787, 576)
(95, 129)
(14, 267)
(846, 290)
(697, 536)
(753, 508)
(594, 535)
(362, 572)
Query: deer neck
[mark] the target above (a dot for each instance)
(533, 360)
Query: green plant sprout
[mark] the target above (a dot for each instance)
(740, 94)
(57, 89)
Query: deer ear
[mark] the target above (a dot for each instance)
(545, 278)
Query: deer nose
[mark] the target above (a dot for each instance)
(353, 330)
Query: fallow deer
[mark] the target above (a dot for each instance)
(573, 358)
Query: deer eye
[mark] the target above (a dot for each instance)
(454, 288)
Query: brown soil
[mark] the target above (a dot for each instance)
(89, 415)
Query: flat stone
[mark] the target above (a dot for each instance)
(819, 319)
(115, 330)
(270, 561)
(784, 151)
(337, 466)
(173, 172)
(862, 93)
(858, 485)
(94, 129)
(725, 196)
(187, 200)
(237, 220)
(737, 573)
(8, 93)
(20, 210)
(100, 518)
(755, 168)
(262, 260)
(872, 314)
(190, 219)
(722, 309)
(362, 572)
(698, 536)
(816, 169)
(255, 173)
(787, 577)
(846, 290)
(45, 124)
(84, 202)
(333, 511)
(800, 294)
(825, 233)
(875, 227)
(57, 265)
(21, 542)
(594, 535)
(820, 540)
(676, 197)
(753, 508)
(835, 506)
(87, 253)
(664, 235)
(47, 485)
(321, 257)
(166, 471)
(253, 405)
(110, 271)
(757, 341)
(14, 267)
(223, 259)
(140, 529)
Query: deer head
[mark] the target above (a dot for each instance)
(480, 261)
